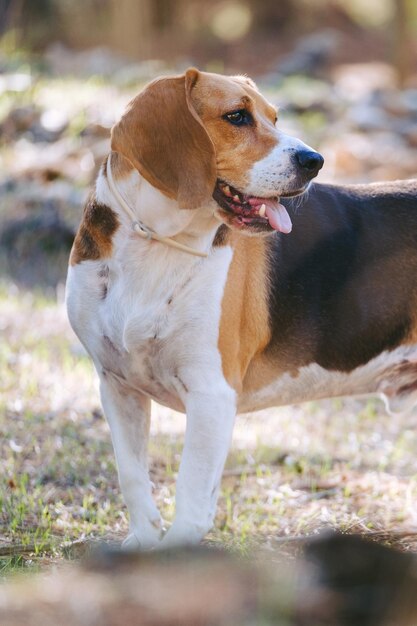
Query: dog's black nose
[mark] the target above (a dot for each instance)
(310, 161)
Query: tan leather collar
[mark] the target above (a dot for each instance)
(141, 229)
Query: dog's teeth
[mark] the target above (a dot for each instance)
(262, 210)
(226, 190)
(236, 198)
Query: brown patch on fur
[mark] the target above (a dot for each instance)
(244, 327)
(221, 237)
(163, 137)
(400, 379)
(93, 240)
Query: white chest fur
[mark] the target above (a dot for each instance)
(150, 314)
(153, 323)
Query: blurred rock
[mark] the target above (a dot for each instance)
(299, 94)
(35, 249)
(362, 583)
(311, 54)
(15, 81)
(18, 121)
(394, 103)
(411, 135)
(409, 99)
(54, 121)
(102, 61)
(353, 82)
(35, 125)
(360, 157)
(368, 117)
(139, 73)
(341, 580)
(96, 131)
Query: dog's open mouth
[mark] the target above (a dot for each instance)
(244, 211)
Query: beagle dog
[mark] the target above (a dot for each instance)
(197, 281)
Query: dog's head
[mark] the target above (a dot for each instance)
(202, 136)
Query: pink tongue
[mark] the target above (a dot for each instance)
(278, 218)
(276, 213)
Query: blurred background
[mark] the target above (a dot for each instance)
(344, 75)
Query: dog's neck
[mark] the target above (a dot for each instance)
(195, 228)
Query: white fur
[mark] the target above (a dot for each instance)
(274, 174)
(380, 376)
(155, 335)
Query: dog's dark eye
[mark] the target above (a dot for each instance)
(239, 118)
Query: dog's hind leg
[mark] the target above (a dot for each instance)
(128, 415)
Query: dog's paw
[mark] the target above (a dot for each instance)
(182, 534)
(130, 543)
(142, 540)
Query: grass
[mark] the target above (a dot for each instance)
(341, 463)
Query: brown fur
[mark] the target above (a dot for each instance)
(94, 238)
(221, 237)
(184, 150)
(163, 137)
(244, 327)
(237, 149)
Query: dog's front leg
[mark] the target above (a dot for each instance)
(128, 415)
(210, 420)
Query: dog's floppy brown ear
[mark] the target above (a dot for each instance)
(165, 139)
